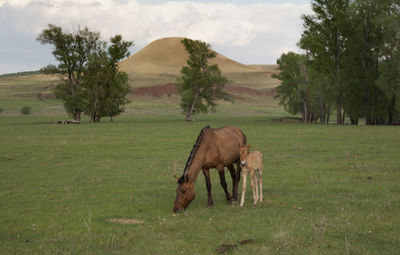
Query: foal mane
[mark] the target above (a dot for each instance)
(192, 153)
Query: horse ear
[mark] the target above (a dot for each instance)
(176, 177)
(248, 147)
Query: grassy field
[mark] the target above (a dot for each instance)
(108, 188)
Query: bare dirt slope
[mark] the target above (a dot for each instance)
(160, 62)
(168, 55)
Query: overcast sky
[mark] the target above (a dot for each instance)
(251, 32)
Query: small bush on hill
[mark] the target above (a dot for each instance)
(25, 110)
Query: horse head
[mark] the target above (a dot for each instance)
(184, 193)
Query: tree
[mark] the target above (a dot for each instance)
(72, 51)
(90, 79)
(201, 84)
(389, 64)
(323, 39)
(355, 44)
(297, 92)
(366, 42)
(289, 90)
(119, 86)
(105, 86)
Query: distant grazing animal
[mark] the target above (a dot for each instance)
(214, 148)
(251, 162)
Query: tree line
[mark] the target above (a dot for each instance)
(351, 64)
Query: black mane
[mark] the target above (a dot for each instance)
(192, 153)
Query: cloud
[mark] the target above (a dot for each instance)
(227, 27)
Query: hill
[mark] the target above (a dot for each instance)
(168, 55)
(152, 71)
(161, 61)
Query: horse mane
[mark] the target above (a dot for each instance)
(192, 153)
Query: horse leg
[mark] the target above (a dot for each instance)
(244, 177)
(232, 170)
(206, 173)
(239, 170)
(223, 184)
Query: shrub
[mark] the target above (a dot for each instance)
(25, 110)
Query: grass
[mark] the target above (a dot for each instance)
(108, 188)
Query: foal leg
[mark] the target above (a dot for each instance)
(235, 182)
(244, 177)
(206, 173)
(253, 185)
(260, 179)
(256, 184)
(223, 184)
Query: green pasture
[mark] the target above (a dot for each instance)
(67, 189)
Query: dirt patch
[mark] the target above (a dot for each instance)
(125, 221)
(170, 90)
(45, 96)
(247, 241)
(228, 248)
(243, 90)
(272, 92)
(156, 91)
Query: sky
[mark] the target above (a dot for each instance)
(250, 32)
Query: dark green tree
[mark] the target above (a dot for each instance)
(389, 58)
(105, 86)
(324, 40)
(364, 46)
(89, 75)
(355, 44)
(297, 92)
(200, 84)
(72, 51)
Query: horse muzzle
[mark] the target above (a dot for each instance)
(176, 210)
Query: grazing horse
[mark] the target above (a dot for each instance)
(251, 163)
(214, 148)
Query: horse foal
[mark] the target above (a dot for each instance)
(251, 162)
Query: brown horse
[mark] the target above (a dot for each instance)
(214, 148)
